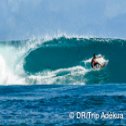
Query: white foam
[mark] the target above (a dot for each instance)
(60, 76)
(8, 78)
(8, 67)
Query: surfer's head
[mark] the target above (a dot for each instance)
(94, 55)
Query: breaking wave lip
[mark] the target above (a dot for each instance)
(12, 60)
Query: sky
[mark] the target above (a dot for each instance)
(23, 19)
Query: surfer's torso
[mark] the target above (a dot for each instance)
(97, 62)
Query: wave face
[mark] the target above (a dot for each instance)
(61, 60)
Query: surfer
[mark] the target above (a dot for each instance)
(94, 63)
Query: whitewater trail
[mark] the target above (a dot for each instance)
(60, 76)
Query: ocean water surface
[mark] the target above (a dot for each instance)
(51, 104)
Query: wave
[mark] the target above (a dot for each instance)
(61, 60)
